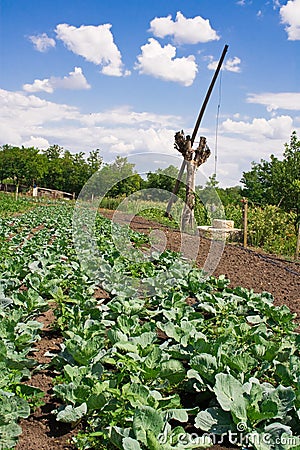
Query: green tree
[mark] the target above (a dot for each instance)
(231, 195)
(212, 181)
(53, 152)
(22, 165)
(228, 196)
(53, 177)
(53, 168)
(67, 171)
(262, 183)
(4, 164)
(74, 172)
(116, 179)
(290, 177)
(94, 161)
(164, 179)
(276, 182)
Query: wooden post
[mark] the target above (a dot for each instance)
(187, 222)
(175, 190)
(245, 221)
(193, 159)
(298, 244)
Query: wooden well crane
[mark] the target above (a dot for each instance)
(192, 158)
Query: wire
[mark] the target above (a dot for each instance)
(217, 123)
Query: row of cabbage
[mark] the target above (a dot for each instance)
(173, 359)
(27, 245)
(145, 368)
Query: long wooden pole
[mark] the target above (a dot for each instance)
(196, 128)
(208, 94)
(245, 222)
(298, 243)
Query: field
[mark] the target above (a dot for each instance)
(135, 348)
(269, 227)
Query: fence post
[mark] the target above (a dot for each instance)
(245, 221)
(298, 243)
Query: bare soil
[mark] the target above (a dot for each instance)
(41, 431)
(250, 268)
(244, 267)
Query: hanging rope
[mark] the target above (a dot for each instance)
(217, 123)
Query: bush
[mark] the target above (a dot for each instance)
(272, 229)
(269, 227)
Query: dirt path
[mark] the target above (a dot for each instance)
(41, 431)
(249, 268)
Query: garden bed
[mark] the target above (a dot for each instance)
(244, 267)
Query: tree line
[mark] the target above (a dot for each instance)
(54, 168)
(273, 182)
(277, 181)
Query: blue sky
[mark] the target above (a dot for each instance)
(125, 76)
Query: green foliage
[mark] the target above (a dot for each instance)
(142, 367)
(110, 202)
(158, 215)
(53, 168)
(272, 229)
(276, 182)
(233, 353)
(117, 179)
(164, 179)
(30, 266)
(12, 409)
(69, 172)
(21, 165)
(230, 196)
(9, 205)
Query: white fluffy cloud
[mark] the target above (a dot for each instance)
(39, 86)
(161, 62)
(28, 120)
(276, 128)
(37, 142)
(23, 117)
(281, 100)
(42, 42)
(183, 30)
(26, 111)
(95, 44)
(290, 15)
(74, 81)
(231, 64)
(125, 116)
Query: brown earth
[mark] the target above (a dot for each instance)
(41, 431)
(250, 268)
(244, 267)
